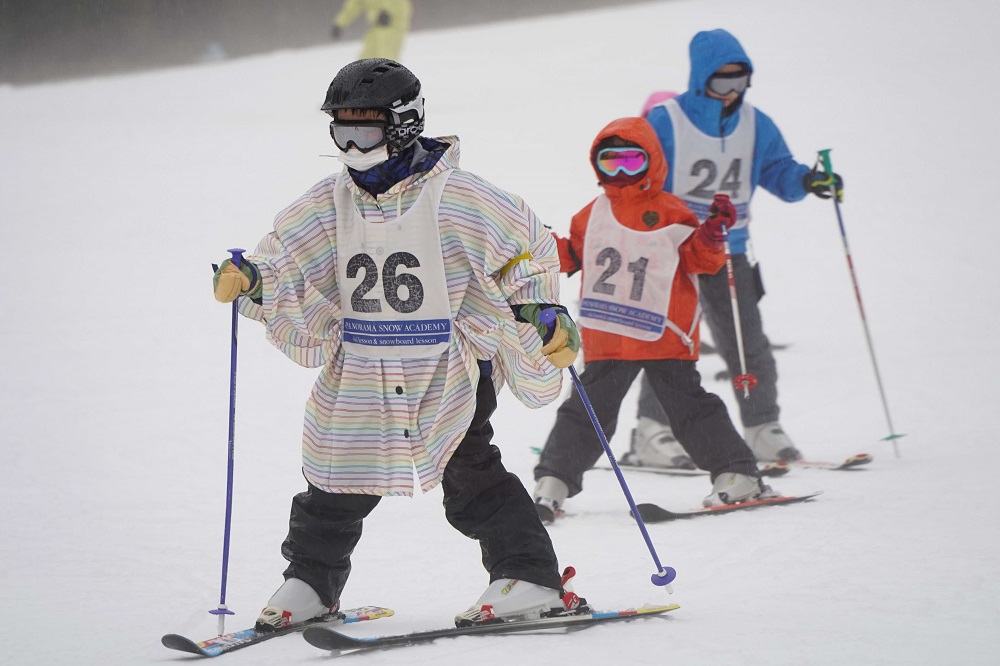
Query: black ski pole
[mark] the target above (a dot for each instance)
(824, 158)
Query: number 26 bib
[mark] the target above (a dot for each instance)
(393, 290)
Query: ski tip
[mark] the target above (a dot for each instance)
(655, 609)
(651, 513)
(325, 638)
(182, 643)
(366, 613)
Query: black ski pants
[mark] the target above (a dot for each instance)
(762, 404)
(482, 500)
(700, 421)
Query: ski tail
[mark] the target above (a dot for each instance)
(218, 645)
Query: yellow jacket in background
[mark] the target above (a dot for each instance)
(388, 22)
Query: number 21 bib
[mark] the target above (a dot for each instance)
(628, 275)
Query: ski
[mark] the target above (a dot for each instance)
(651, 513)
(328, 639)
(217, 645)
(668, 471)
(781, 467)
(771, 470)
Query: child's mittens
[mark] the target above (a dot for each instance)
(721, 215)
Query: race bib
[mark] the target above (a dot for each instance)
(708, 165)
(628, 275)
(393, 289)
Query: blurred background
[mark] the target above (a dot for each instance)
(48, 40)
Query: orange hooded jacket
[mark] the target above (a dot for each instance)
(644, 206)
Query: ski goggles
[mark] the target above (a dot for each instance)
(366, 136)
(729, 82)
(630, 161)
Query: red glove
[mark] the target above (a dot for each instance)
(722, 212)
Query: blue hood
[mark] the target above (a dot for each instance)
(710, 50)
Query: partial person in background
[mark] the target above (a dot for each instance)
(715, 142)
(639, 250)
(388, 23)
(416, 287)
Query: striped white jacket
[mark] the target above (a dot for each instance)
(370, 423)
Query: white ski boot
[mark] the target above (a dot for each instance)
(654, 445)
(295, 601)
(549, 495)
(510, 599)
(769, 443)
(733, 488)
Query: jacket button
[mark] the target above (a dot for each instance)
(406, 433)
(399, 390)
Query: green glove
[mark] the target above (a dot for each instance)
(230, 282)
(563, 347)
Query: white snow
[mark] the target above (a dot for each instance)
(117, 193)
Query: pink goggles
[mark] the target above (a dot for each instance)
(630, 161)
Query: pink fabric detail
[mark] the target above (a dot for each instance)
(658, 97)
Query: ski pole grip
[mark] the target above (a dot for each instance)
(237, 253)
(824, 158)
(548, 317)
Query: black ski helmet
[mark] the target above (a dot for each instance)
(380, 83)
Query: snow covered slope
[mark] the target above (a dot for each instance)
(118, 193)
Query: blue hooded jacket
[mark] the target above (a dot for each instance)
(773, 167)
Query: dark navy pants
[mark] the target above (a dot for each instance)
(762, 405)
(700, 421)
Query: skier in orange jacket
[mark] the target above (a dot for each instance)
(639, 249)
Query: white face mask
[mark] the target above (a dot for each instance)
(360, 161)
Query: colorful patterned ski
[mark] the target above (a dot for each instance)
(651, 513)
(217, 645)
(328, 639)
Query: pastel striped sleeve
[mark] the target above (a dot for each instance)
(300, 304)
(516, 250)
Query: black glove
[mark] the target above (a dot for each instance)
(335, 31)
(819, 182)
(384, 18)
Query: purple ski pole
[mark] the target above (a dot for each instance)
(222, 611)
(664, 575)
